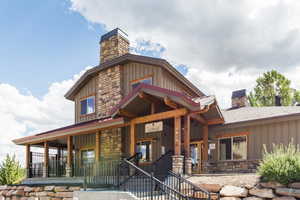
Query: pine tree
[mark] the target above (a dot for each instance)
(11, 171)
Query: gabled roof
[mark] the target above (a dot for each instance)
(245, 114)
(127, 58)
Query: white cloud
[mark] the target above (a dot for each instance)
(211, 37)
(24, 114)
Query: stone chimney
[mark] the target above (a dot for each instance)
(239, 99)
(113, 44)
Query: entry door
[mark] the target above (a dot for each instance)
(196, 156)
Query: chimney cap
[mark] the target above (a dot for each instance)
(238, 93)
(115, 31)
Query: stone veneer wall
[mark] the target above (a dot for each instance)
(113, 47)
(109, 90)
(231, 166)
(111, 143)
(37, 193)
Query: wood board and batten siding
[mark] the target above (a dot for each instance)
(266, 132)
(160, 77)
(89, 89)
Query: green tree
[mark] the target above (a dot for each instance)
(11, 171)
(268, 86)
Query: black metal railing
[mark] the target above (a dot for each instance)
(186, 187)
(144, 185)
(36, 170)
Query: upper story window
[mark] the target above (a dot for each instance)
(233, 148)
(87, 106)
(146, 80)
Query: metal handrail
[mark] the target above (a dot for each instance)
(194, 187)
(159, 184)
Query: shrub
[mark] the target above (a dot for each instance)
(282, 164)
(11, 171)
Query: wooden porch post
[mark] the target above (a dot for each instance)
(70, 156)
(132, 139)
(177, 159)
(46, 159)
(98, 146)
(28, 161)
(177, 136)
(187, 139)
(205, 142)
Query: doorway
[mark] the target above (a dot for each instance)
(196, 156)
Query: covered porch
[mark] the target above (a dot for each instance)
(163, 127)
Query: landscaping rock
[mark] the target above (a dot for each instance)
(18, 193)
(38, 189)
(284, 198)
(230, 198)
(28, 189)
(49, 188)
(64, 194)
(233, 191)
(252, 198)
(211, 187)
(74, 188)
(263, 193)
(60, 189)
(41, 194)
(295, 185)
(288, 192)
(271, 184)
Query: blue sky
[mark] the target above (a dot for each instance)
(44, 42)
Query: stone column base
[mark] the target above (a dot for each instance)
(45, 172)
(188, 166)
(69, 171)
(177, 164)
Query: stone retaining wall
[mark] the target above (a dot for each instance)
(260, 191)
(231, 166)
(37, 193)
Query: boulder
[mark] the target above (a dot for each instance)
(28, 189)
(18, 193)
(288, 192)
(233, 191)
(230, 198)
(77, 188)
(252, 198)
(64, 194)
(49, 187)
(211, 187)
(271, 184)
(284, 198)
(45, 198)
(295, 185)
(60, 189)
(41, 194)
(263, 193)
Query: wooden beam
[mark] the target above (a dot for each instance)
(170, 103)
(177, 136)
(199, 118)
(187, 135)
(126, 113)
(97, 150)
(70, 151)
(215, 121)
(132, 139)
(205, 142)
(46, 159)
(148, 97)
(152, 108)
(160, 116)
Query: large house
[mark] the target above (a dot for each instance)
(131, 104)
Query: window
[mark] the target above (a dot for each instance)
(87, 105)
(145, 148)
(233, 148)
(136, 83)
(87, 156)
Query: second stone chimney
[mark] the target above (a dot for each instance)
(239, 99)
(113, 44)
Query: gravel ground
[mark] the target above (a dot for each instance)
(242, 180)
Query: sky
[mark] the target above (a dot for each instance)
(219, 45)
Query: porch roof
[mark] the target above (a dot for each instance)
(74, 129)
(192, 104)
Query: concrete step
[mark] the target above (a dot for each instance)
(103, 195)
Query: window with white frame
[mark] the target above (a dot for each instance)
(233, 148)
(87, 106)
